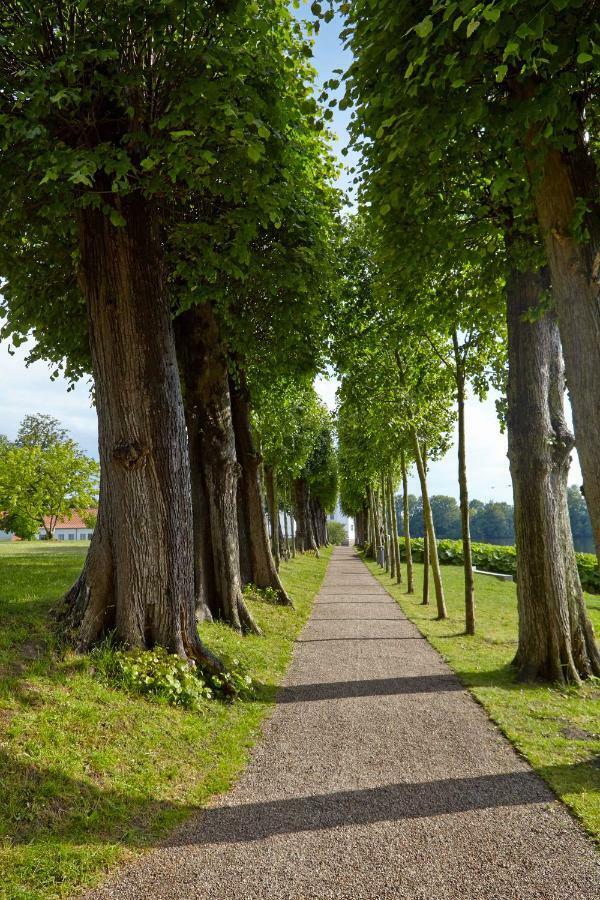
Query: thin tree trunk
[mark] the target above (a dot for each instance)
(385, 524)
(254, 528)
(425, 601)
(388, 494)
(286, 538)
(565, 179)
(271, 483)
(556, 639)
(429, 526)
(140, 574)
(464, 492)
(395, 535)
(410, 578)
(305, 539)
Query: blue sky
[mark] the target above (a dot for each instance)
(27, 390)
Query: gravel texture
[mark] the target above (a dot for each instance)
(377, 777)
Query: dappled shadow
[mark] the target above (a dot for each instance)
(375, 687)
(388, 803)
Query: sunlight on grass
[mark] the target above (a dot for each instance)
(90, 774)
(556, 729)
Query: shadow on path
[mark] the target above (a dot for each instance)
(393, 802)
(376, 687)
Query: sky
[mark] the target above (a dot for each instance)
(26, 390)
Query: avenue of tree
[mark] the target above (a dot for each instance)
(170, 226)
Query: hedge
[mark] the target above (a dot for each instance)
(496, 558)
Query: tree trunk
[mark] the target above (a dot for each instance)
(204, 573)
(271, 483)
(464, 493)
(286, 539)
(385, 523)
(254, 526)
(575, 271)
(204, 368)
(305, 539)
(390, 512)
(395, 535)
(140, 573)
(556, 639)
(410, 578)
(429, 527)
(425, 601)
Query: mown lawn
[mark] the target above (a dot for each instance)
(556, 729)
(89, 774)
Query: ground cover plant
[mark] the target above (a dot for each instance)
(91, 770)
(557, 729)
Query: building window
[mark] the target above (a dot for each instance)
(61, 537)
(71, 537)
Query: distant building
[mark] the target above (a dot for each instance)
(70, 528)
(338, 516)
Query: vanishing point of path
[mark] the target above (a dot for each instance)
(377, 777)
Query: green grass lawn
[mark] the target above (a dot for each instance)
(89, 774)
(556, 729)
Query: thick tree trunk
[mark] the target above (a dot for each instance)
(204, 573)
(429, 527)
(271, 483)
(140, 574)
(575, 270)
(253, 529)
(464, 494)
(208, 404)
(410, 578)
(556, 640)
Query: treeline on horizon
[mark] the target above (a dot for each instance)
(491, 522)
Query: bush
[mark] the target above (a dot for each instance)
(336, 532)
(496, 558)
(167, 676)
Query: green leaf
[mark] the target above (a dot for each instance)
(255, 152)
(473, 26)
(501, 72)
(424, 28)
(177, 135)
(117, 219)
(584, 58)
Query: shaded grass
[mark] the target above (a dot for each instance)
(556, 729)
(91, 774)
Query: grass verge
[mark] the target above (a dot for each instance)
(91, 774)
(556, 729)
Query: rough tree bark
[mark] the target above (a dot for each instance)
(465, 523)
(574, 265)
(253, 527)
(556, 639)
(139, 575)
(385, 524)
(429, 527)
(410, 578)
(426, 567)
(204, 370)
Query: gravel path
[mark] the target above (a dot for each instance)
(378, 777)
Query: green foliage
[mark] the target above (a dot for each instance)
(38, 482)
(169, 677)
(501, 559)
(336, 532)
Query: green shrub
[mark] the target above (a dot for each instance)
(497, 558)
(164, 675)
(336, 532)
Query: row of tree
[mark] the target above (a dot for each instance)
(479, 230)
(168, 225)
(491, 522)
